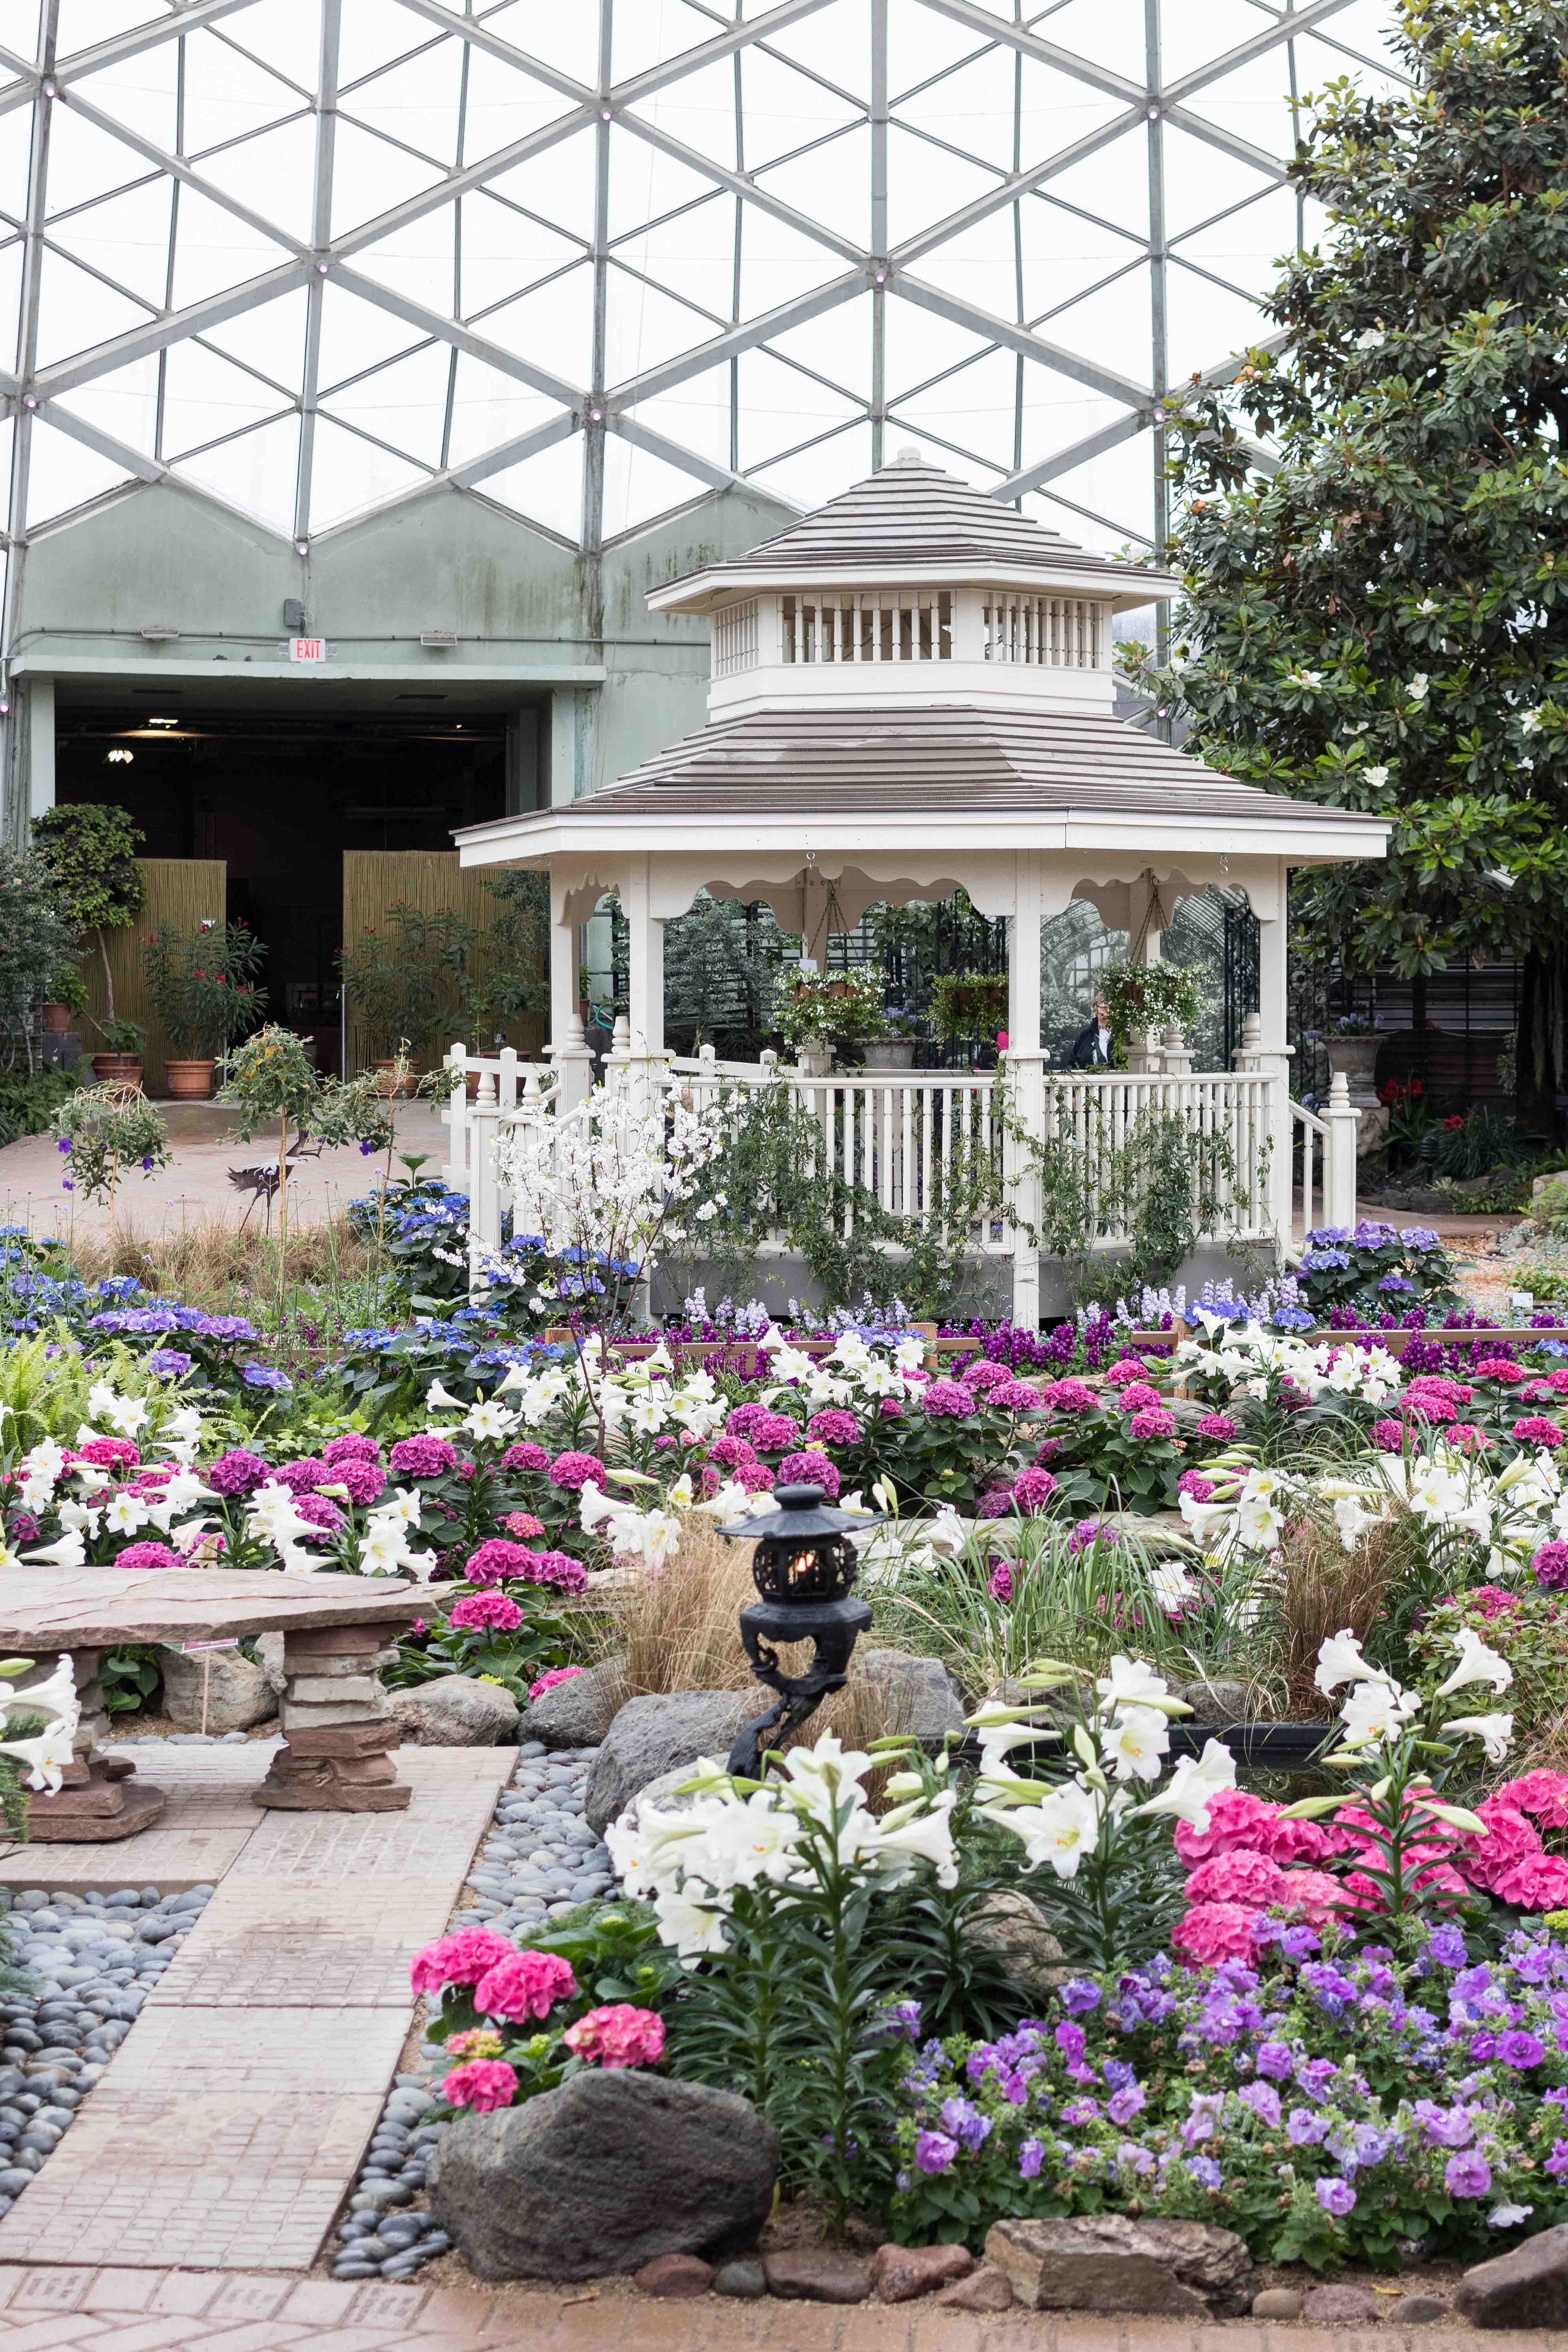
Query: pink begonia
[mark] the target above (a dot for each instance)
(1152, 1422)
(461, 1958)
(483, 2084)
(1212, 1932)
(617, 2035)
(484, 1612)
(1239, 1876)
(553, 1680)
(1542, 1793)
(1137, 1394)
(525, 1984)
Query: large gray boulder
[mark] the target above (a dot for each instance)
(578, 1713)
(456, 1711)
(1107, 2262)
(601, 2175)
(922, 1700)
(237, 1691)
(652, 1736)
(1526, 2287)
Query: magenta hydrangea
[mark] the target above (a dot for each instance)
(1069, 1396)
(1218, 1426)
(461, 1958)
(148, 1556)
(108, 1454)
(574, 1471)
(301, 1477)
(552, 1680)
(981, 1373)
(617, 2035)
(1155, 1421)
(553, 1568)
(833, 1426)
(1193, 1482)
(1388, 1436)
(1550, 1566)
(1498, 1368)
(999, 1584)
(360, 1480)
(755, 1477)
(422, 1457)
(993, 1503)
(1137, 1394)
(524, 1985)
(740, 1420)
(947, 1400)
(1034, 1490)
(773, 1432)
(321, 1512)
(495, 1561)
(237, 1473)
(484, 1612)
(809, 1470)
(527, 1459)
(483, 2084)
(1534, 1429)
(1014, 1396)
(351, 1446)
(728, 1452)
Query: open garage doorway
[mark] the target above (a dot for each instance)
(279, 784)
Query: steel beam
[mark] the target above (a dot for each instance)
(461, 338)
(320, 236)
(736, 340)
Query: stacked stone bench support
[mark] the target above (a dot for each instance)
(100, 1800)
(338, 1726)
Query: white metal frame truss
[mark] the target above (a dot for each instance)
(844, 56)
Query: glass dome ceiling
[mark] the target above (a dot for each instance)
(309, 258)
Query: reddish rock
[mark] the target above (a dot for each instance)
(984, 2289)
(1340, 2306)
(674, 2276)
(898, 2274)
(816, 2275)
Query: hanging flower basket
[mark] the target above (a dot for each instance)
(1152, 996)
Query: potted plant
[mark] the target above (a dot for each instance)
(819, 1012)
(67, 996)
(90, 848)
(389, 984)
(969, 1005)
(1352, 1043)
(896, 1051)
(202, 986)
(1148, 998)
(36, 937)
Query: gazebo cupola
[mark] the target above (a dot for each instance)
(912, 587)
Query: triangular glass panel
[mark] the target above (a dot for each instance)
(780, 407)
(778, 262)
(418, 261)
(835, 42)
(926, 186)
(349, 475)
(1208, 325)
(227, 95)
(404, 404)
(836, 345)
(85, 162)
(124, 404)
(489, 408)
(785, 109)
(271, 339)
(370, 176)
(695, 415)
(127, 238)
(356, 335)
(285, 34)
(1245, 247)
(214, 250)
(76, 312)
(814, 476)
(16, 149)
(504, 251)
(637, 486)
(557, 184)
(644, 327)
(503, 106)
(566, 39)
(978, 266)
(205, 398)
(142, 91)
(377, 33)
(553, 327)
(257, 473)
(646, 37)
(971, 108)
(829, 185)
(545, 489)
(416, 102)
(971, 411)
(63, 474)
(83, 24)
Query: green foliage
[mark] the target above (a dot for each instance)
(90, 848)
(270, 1078)
(130, 1678)
(28, 1106)
(718, 976)
(391, 980)
(968, 1004)
(516, 943)
(104, 1131)
(1167, 1182)
(1381, 625)
(45, 1382)
(1150, 996)
(36, 941)
(202, 983)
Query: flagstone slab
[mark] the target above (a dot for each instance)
(264, 1944)
(55, 1609)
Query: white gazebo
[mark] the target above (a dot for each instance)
(912, 690)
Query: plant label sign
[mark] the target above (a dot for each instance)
(195, 1649)
(307, 649)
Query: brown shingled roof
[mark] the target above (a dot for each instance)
(893, 759)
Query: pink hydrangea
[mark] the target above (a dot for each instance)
(995, 1503)
(1241, 1876)
(527, 1459)
(523, 1523)
(554, 1568)
(1464, 1437)
(1218, 1426)
(890, 1409)
(1126, 1368)
(1388, 1435)
(108, 1453)
(422, 1457)
(237, 1473)
(999, 1584)
(301, 1477)
(1539, 1883)
(574, 1471)
(831, 1426)
(948, 1400)
(1014, 1396)
(147, 1556)
(321, 1512)
(1193, 1482)
(1238, 1818)
(1498, 1368)
(809, 1469)
(1534, 1429)
(1433, 1409)
(742, 1419)
(1550, 1566)
(461, 1958)
(1155, 1421)
(616, 2036)
(1558, 1380)
(362, 1481)
(484, 1612)
(1137, 1394)
(771, 1432)
(1069, 1396)
(1212, 1932)
(351, 1446)
(1511, 1839)
(981, 1373)
(1543, 1794)
(1032, 1490)
(551, 1681)
(1492, 1601)
(495, 1560)
(525, 1984)
(483, 2085)
(755, 1477)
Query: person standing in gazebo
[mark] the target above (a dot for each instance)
(1091, 1047)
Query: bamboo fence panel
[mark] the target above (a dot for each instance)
(182, 891)
(376, 881)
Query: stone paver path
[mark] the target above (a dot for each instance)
(229, 2125)
(121, 2310)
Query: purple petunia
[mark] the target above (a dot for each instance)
(1335, 2197)
(935, 2151)
(1468, 2174)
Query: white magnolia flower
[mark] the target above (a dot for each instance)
(1531, 723)
(1477, 1665)
(1495, 1732)
(1376, 775)
(1418, 686)
(1370, 339)
(1307, 677)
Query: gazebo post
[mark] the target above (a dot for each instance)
(1143, 949)
(646, 980)
(566, 1049)
(1025, 1080)
(1275, 1056)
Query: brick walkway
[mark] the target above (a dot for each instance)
(147, 2311)
(229, 2125)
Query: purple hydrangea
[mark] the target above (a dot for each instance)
(947, 1399)
(809, 1469)
(238, 1473)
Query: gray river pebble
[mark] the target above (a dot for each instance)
(540, 1860)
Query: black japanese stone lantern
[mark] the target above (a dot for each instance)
(804, 1567)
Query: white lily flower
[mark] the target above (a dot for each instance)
(1060, 1829)
(1187, 1793)
(1477, 1665)
(1495, 1732)
(46, 1757)
(68, 1551)
(1340, 1661)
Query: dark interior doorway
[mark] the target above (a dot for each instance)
(280, 795)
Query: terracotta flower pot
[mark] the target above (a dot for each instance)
(124, 1068)
(188, 1081)
(57, 1020)
(387, 1083)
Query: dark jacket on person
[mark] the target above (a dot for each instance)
(1086, 1052)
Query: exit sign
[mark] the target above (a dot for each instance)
(307, 649)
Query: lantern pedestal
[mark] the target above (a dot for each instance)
(834, 1626)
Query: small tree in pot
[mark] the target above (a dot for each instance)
(36, 940)
(91, 849)
(202, 987)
